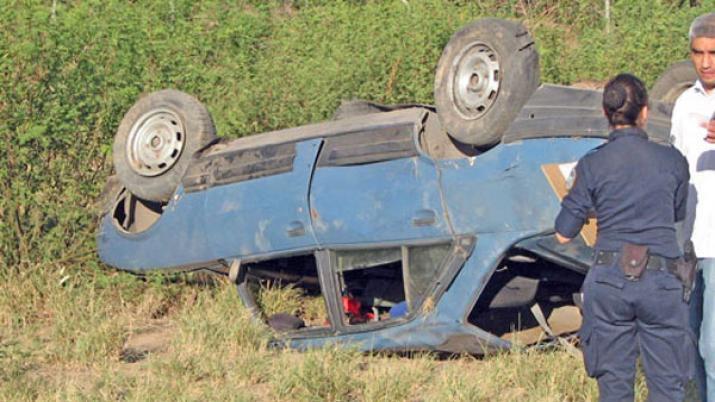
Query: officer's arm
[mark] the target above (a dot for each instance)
(681, 193)
(575, 206)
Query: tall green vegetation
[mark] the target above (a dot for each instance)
(69, 70)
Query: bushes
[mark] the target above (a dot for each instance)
(68, 75)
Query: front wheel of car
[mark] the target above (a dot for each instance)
(156, 140)
(486, 73)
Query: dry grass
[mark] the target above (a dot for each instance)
(273, 298)
(117, 337)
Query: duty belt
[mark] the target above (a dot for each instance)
(655, 262)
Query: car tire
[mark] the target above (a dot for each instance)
(674, 81)
(156, 140)
(486, 73)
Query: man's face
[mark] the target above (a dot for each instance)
(702, 53)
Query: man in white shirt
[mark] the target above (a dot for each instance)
(693, 133)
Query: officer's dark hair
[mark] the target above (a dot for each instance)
(623, 99)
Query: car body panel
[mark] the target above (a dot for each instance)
(420, 334)
(501, 181)
(409, 208)
(178, 240)
(266, 214)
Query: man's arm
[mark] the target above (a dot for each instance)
(676, 132)
(710, 126)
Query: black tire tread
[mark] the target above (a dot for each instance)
(678, 77)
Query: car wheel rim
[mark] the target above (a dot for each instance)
(475, 80)
(155, 142)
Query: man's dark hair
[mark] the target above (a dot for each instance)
(623, 98)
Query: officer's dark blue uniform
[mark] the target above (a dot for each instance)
(637, 190)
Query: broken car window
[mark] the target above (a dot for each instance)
(372, 282)
(424, 266)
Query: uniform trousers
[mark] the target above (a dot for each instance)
(624, 318)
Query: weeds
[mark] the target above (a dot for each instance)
(274, 298)
(67, 76)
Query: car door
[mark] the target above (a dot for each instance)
(258, 202)
(373, 185)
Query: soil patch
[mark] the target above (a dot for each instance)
(152, 338)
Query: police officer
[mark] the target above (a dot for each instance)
(633, 301)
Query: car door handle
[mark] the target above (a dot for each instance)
(424, 217)
(295, 229)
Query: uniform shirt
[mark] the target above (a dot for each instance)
(637, 189)
(693, 108)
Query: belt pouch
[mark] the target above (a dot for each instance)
(633, 260)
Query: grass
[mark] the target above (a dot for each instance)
(272, 298)
(69, 343)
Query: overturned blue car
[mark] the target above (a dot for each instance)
(407, 227)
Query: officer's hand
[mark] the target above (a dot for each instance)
(563, 239)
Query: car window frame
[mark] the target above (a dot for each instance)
(250, 303)
(461, 249)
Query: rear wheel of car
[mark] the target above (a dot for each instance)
(674, 81)
(156, 139)
(486, 73)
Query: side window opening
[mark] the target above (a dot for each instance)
(522, 287)
(287, 292)
(383, 284)
(371, 284)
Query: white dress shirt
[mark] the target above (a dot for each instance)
(693, 108)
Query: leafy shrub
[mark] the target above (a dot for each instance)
(69, 70)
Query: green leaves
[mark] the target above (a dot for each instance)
(68, 75)
(33, 133)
